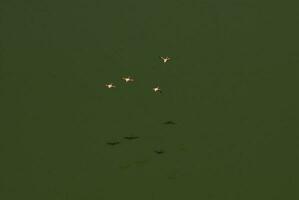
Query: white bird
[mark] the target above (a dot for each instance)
(165, 59)
(110, 85)
(157, 89)
(127, 79)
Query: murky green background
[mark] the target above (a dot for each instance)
(231, 87)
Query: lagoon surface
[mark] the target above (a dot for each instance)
(225, 126)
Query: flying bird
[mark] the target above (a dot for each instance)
(110, 85)
(165, 59)
(157, 89)
(131, 137)
(127, 79)
(113, 143)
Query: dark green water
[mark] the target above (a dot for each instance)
(230, 87)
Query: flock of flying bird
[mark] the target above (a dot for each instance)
(129, 79)
(155, 89)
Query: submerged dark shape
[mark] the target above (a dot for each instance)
(131, 137)
(159, 151)
(170, 122)
(113, 143)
